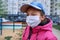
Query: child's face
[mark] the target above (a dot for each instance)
(34, 12)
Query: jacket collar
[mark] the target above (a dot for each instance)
(46, 27)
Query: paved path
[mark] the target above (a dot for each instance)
(57, 33)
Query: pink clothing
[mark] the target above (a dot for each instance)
(40, 33)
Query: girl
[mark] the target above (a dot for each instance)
(39, 27)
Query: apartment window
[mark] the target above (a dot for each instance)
(23, 3)
(56, 4)
(55, 8)
(55, 13)
(24, 0)
(51, 7)
(19, 4)
(51, 10)
(51, 0)
(34, 0)
(55, 0)
(51, 13)
(52, 3)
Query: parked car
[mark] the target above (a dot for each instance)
(4, 20)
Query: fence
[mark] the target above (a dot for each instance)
(8, 25)
(0, 25)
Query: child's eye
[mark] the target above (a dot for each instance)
(27, 14)
(33, 14)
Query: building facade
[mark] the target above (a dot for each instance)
(50, 7)
(12, 6)
(55, 7)
(46, 4)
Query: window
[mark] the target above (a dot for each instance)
(55, 13)
(56, 4)
(55, 8)
(34, 0)
(51, 10)
(51, 0)
(52, 3)
(55, 0)
(23, 3)
(51, 7)
(19, 4)
(24, 0)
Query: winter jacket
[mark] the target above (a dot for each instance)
(39, 33)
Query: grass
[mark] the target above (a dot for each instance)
(57, 26)
(8, 37)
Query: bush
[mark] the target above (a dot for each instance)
(57, 26)
(8, 37)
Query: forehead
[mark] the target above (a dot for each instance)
(33, 11)
(31, 8)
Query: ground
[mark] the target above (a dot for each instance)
(57, 33)
(16, 36)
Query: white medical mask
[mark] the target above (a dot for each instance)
(33, 21)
